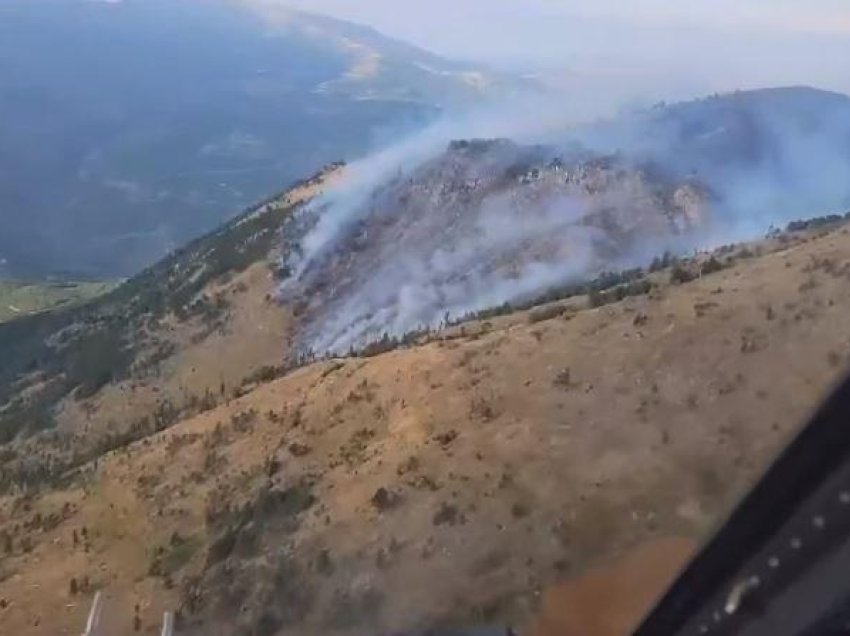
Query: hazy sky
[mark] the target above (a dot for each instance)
(426, 22)
(710, 44)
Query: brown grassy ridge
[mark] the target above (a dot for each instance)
(451, 481)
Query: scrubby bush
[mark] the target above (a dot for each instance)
(816, 222)
(681, 274)
(711, 266)
(547, 312)
(661, 262)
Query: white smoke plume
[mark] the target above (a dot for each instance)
(378, 262)
(529, 119)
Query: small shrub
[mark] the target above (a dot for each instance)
(711, 266)
(548, 312)
(299, 450)
(520, 510)
(563, 379)
(410, 465)
(272, 466)
(354, 450)
(178, 554)
(384, 500)
(263, 375)
(681, 274)
(243, 421)
(222, 547)
(447, 514)
(482, 409)
(445, 439)
(661, 262)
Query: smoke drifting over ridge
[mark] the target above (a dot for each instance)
(419, 231)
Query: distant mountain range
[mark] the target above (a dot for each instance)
(382, 68)
(131, 126)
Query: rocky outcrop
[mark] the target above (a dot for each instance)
(487, 221)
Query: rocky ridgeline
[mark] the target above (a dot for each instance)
(481, 224)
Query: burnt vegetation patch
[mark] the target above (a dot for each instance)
(604, 289)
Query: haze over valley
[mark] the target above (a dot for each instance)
(132, 127)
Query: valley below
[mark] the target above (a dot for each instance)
(19, 298)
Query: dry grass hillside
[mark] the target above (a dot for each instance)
(183, 336)
(189, 363)
(492, 473)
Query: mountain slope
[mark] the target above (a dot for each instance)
(149, 327)
(483, 464)
(384, 68)
(482, 226)
(133, 126)
(203, 465)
